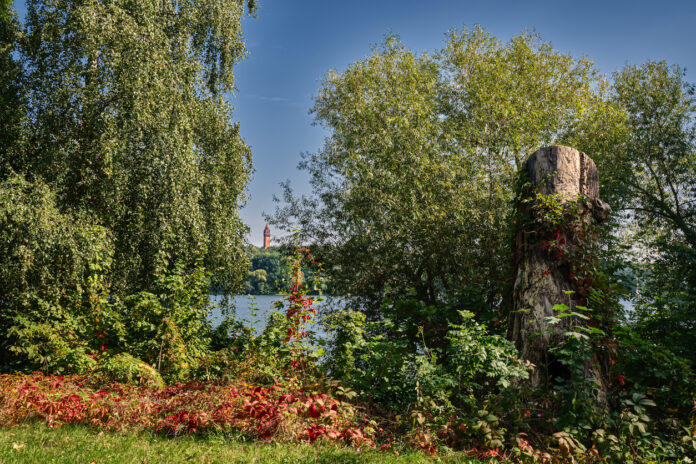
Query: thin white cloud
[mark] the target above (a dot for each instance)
(269, 99)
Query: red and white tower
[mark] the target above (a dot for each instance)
(266, 237)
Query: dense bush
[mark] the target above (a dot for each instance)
(647, 367)
(392, 366)
(58, 314)
(124, 368)
(51, 268)
(466, 389)
(665, 298)
(169, 329)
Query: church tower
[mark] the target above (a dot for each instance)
(266, 237)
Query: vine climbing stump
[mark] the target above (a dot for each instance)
(544, 277)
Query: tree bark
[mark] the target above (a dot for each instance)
(543, 279)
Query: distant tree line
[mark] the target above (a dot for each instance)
(268, 271)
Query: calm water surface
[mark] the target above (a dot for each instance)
(254, 309)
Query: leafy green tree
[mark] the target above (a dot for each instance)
(503, 101)
(119, 190)
(373, 174)
(654, 180)
(414, 185)
(11, 104)
(655, 168)
(128, 124)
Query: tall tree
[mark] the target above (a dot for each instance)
(128, 123)
(384, 159)
(415, 182)
(655, 168)
(654, 179)
(11, 107)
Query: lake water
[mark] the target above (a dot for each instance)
(254, 309)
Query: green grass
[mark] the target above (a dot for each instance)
(36, 443)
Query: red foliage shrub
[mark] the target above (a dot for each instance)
(265, 413)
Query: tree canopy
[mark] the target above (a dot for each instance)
(653, 176)
(127, 122)
(10, 89)
(413, 188)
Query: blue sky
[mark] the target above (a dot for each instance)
(293, 43)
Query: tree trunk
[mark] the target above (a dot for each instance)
(544, 277)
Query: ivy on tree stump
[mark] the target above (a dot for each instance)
(558, 205)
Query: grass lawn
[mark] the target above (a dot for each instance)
(37, 443)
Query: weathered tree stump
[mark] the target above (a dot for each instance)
(567, 178)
